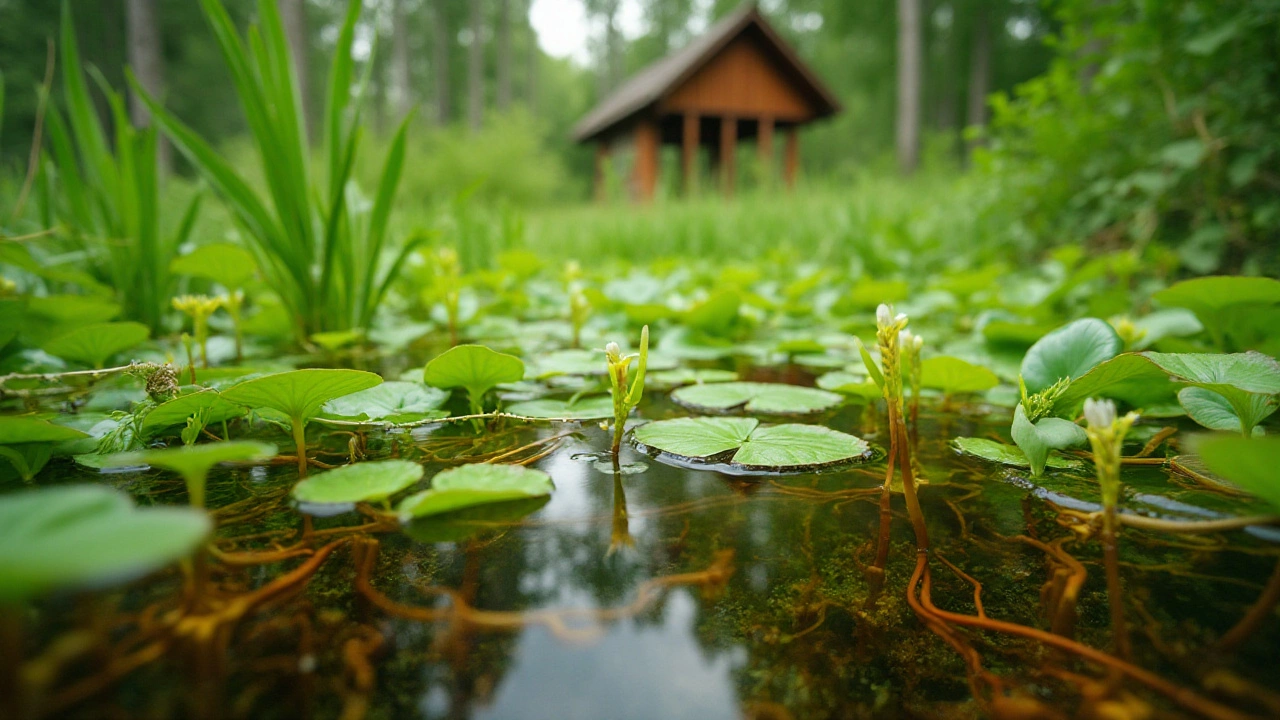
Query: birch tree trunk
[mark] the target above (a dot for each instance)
(907, 130)
(146, 57)
(401, 90)
(441, 45)
(504, 54)
(293, 14)
(980, 68)
(475, 67)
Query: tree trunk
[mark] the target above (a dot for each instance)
(613, 46)
(980, 68)
(504, 54)
(147, 60)
(441, 45)
(475, 67)
(909, 83)
(535, 57)
(293, 14)
(401, 91)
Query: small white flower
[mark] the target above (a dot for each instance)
(917, 341)
(905, 338)
(901, 318)
(883, 315)
(1099, 413)
(613, 350)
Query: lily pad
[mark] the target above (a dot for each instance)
(360, 482)
(1009, 454)
(1248, 462)
(93, 345)
(396, 402)
(776, 447)
(473, 485)
(475, 368)
(566, 362)
(590, 408)
(1069, 352)
(690, 376)
(87, 536)
(1213, 411)
(953, 375)
(770, 398)
(850, 384)
(460, 525)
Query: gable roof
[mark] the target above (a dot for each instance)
(658, 79)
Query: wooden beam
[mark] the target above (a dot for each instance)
(602, 163)
(764, 144)
(689, 151)
(792, 166)
(648, 150)
(728, 153)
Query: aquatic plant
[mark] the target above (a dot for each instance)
(1106, 433)
(787, 447)
(626, 393)
(768, 398)
(193, 462)
(321, 247)
(359, 482)
(447, 286)
(28, 443)
(299, 395)
(94, 344)
(474, 485)
(475, 368)
(199, 308)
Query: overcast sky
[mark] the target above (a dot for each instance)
(563, 28)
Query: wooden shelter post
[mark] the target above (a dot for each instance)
(792, 165)
(764, 144)
(648, 152)
(728, 153)
(689, 151)
(601, 170)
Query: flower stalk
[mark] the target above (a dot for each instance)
(1106, 434)
(626, 391)
(199, 308)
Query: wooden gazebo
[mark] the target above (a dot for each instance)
(738, 81)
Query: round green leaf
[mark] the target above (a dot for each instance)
(231, 265)
(300, 393)
(18, 429)
(953, 375)
(94, 344)
(359, 482)
(176, 411)
(1069, 352)
(793, 447)
(474, 485)
(473, 367)
(1209, 297)
(696, 437)
(1214, 411)
(770, 398)
(87, 536)
(690, 376)
(1130, 378)
(592, 408)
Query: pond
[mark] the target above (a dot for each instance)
(669, 589)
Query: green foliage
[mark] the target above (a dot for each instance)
(322, 247)
(359, 482)
(1008, 454)
(475, 368)
(1154, 123)
(105, 192)
(953, 375)
(27, 443)
(1248, 462)
(774, 447)
(590, 408)
(1037, 439)
(769, 398)
(93, 345)
(1069, 352)
(474, 485)
(83, 536)
(193, 462)
(391, 402)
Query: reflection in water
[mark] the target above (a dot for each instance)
(621, 535)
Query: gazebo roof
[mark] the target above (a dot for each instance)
(664, 76)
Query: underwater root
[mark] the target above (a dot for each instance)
(922, 603)
(365, 550)
(1258, 612)
(1058, 596)
(360, 675)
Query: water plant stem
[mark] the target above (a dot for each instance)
(11, 656)
(1258, 612)
(300, 441)
(1111, 560)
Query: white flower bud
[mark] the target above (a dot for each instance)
(1099, 413)
(900, 318)
(882, 315)
(612, 350)
(917, 341)
(905, 338)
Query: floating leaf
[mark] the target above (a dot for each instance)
(1008, 454)
(462, 524)
(359, 482)
(176, 411)
(1214, 411)
(690, 376)
(396, 402)
(1248, 462)
(847, 383)
(1069, 352)
(591, 408)
(566, 362)
(87, 536)
(953, 375)
(770, 398)
(300, 394)
(777, 447)
(93, 344)
(475, 368)
(1238, 377)
(473, 485)
(193, 462)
